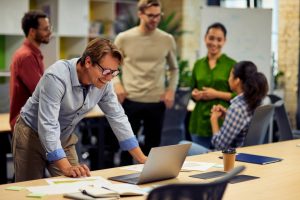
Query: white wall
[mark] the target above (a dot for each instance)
(248, 34)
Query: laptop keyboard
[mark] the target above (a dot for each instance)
(128, 178)
(132, 180)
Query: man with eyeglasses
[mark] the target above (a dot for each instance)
(142, 89)
(27, 65)
(69, 89)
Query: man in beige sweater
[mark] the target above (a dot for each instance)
(149, 57)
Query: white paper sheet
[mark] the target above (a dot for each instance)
(68, 185)
(196, 166)
(91, 179)
(138, 167)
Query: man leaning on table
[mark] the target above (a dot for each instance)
(43, 136)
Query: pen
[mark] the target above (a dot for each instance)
(86, 193)
(107, 188)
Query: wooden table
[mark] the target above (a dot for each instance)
(277, 181)
(4, 122)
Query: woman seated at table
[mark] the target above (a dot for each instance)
(251, 87)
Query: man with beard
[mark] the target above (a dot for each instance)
(27, 65)
(142, 89)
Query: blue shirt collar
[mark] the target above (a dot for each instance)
(73, 72)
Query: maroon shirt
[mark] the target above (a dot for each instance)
(26, 69)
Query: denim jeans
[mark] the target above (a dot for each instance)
(195, 148)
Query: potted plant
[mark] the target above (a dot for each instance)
(185, 74)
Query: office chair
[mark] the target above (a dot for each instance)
(274, 98)
(259, 125)
(173, 129)
(4, 95)
(283, 123)
(285, 131)
(201, 191)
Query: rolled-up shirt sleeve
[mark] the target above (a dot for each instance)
(51, 92)
(117, 119)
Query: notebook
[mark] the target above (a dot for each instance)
(163, 163)
(109, 192)
(81, 196)
(214, 174)
(256, 159)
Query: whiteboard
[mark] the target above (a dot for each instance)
(248, 34)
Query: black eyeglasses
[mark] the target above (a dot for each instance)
(153, 16)
(106, 72)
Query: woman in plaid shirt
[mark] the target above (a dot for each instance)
(251, 87)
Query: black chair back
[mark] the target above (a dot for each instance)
(259, 125)
(200, 191)
(283, 123)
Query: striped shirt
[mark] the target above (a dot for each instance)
(235, 127)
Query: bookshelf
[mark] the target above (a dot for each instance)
(69, 19)
(75, 22)
(11, 35)
(109, 17)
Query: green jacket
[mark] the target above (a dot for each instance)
(216, 78)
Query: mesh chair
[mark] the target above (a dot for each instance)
(285, 131)
(173, 129)
(4, 95)
(283, 123)
(201, 191)
(259, 125)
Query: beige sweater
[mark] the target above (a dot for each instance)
(147, 58)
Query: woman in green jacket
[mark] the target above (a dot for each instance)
(210, 84)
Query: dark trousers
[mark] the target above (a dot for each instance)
(148, 115)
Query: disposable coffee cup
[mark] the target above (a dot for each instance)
(228, 159)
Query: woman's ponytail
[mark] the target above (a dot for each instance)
(254, 83)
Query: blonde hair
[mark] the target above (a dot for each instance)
(143, 4)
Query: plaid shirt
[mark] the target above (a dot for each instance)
(235, 127)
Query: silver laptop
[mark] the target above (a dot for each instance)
(162, 163)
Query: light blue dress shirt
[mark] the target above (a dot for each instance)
(58, 104)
